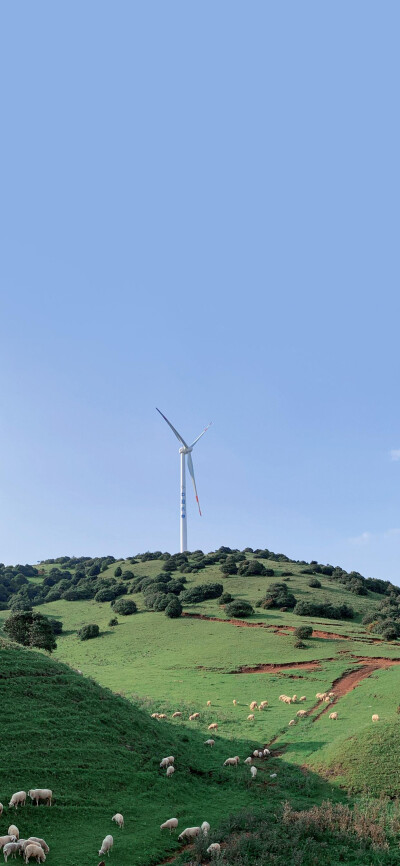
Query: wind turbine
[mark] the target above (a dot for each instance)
(185, 450)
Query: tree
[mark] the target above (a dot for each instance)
(118, 571)
(113, 621)
(174, 608)
(228, 568)
(87, 632)
(239, 608)
(314, 583)
(225, 598)
(303, 632)
(125, 606)
(31, 629)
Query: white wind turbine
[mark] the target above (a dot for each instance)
(185, 450)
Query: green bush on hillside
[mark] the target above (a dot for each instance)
(87, 632)
(225, 598)
(31, 629)
(118, 571)
(331, 611)
(174, 608)
(201, 592)
(304, 632)
(124, 606)
(239, 609)
(278, 596)
(314, 583)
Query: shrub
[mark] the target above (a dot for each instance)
(31, 629)
(251, 567)
(300, 645)
(202, 592)
(127, 575)
(124, 606)
(225, 598)
(303, 632)
(108, 593)
(113, 621)
(174, 608)
(331, 611)
(314, 583)
(228, 568)
(87, 632)
(239, 608)
(389, 633)
(278, 596)
(118, 571)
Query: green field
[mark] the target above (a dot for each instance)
(101, 748)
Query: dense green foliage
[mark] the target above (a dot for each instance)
(87, 632)
(239, 609)
(31, 629)
(324, 608)
(125, 606)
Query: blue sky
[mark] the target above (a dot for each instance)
(200, 211)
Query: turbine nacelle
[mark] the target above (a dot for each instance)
(185, 450)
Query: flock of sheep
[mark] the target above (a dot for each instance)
(33, 848)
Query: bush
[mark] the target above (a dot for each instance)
(225, 598)
(31, 629)
(300, 645)
(278, 596)
(303, 632)
(87, 632)
(389, 633)
(174, 608)
(251, 567)
(331, 611)
(228, 568)
(239, 609)
(113, 621)
(314, 583)
(118, 571)
(202, 592)
(127, 575)
(125, 606)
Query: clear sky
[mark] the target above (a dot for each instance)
(199, 209)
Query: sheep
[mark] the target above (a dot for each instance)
(155, 716)
(36, 851)
(253, 771)
(176, 715)
(188, 834)
(255, 753)
(213, 727)
(250, 718)
(331, 694)
(232, 762)
(294, 699)
(18, 799)
(5, 839)
(170, 771)
(40, 842)
(13, 831)
(253, 705)
(328, 700)
(292, 722)
(11, 849)
(303, 698)
(161, 716)
(214, 849)
(170, 825)
(375, 718)
(209, 743)
(321, 696)
(234, 703)
(266, 753)
(194, 716)
(164, 763)
(171, 759)
(333, 715)
(209, 703)
(261, 754)
(301, 714)
(106, 845)
(37, 794)
(119, 819)
(205, 828)
(248, 761)
(273, 775)
(263, 705)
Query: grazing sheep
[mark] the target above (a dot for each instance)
(36, 851)
(266, 753)
(328, 700)
(40, 842)
(321, 696)
(331, 694)
(255, 753)
(248, 761)
(333, 715)
(170, 771)
(232, 762)
(161, 716)
(301, 714)
(234, 703)
(294, 699)
(205, 828)
(18, 799)
(194, 716)
(171, 759)
(155, 716)
(106, 845)
(170, 825)
(119, 819)
(375, 718)
(11, 849)
(166, 762)
(253, 771)
(213, 727)
(13, 831)
(176, 715)
(261, 754)
(188, 834)
(209, 743)
(37, 794)
(214, 849)
(263, 705)
(5, 839)
(292, 722)
(250, 718)
(303, 698)
(273, 775)
(253, 705)
(209, 703)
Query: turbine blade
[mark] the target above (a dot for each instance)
(191, 470)
(173, 429)
(201, 434)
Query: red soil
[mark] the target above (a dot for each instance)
(272, 669)
(277, 629)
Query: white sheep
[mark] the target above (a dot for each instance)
(161, 716)
(273, 775)
(37, 794)
(171, 759)
(5, 839)
(11, 849)
(209, 743)
(164, 763)
(266, 753)
(255, 753)
(194, 716)
(303, 698)
(40, 842)
(213, 727)
(263, 705)
(188, 834)
(333, 715)
(205, 828)
(375, 718)
(301, 714)
(119, 819)
(253, 705)
(106, 844)
(155, 716)
(250, 718)
(170, 770)
(214, 849)
(176, 715)
(253, 771)
(294, 699)
(18, 799)
(292, 722)
(36, 851)
(209, 703)
(248, 761)
(234, 703)
(170, 825)
(13, 831)
(232, 762)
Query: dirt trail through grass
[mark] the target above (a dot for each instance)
(277, 629)
(350, 680)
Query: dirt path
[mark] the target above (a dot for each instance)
(350, 680)
(273, 669)
(277, 629)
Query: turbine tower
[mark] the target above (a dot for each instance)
(185, 450)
